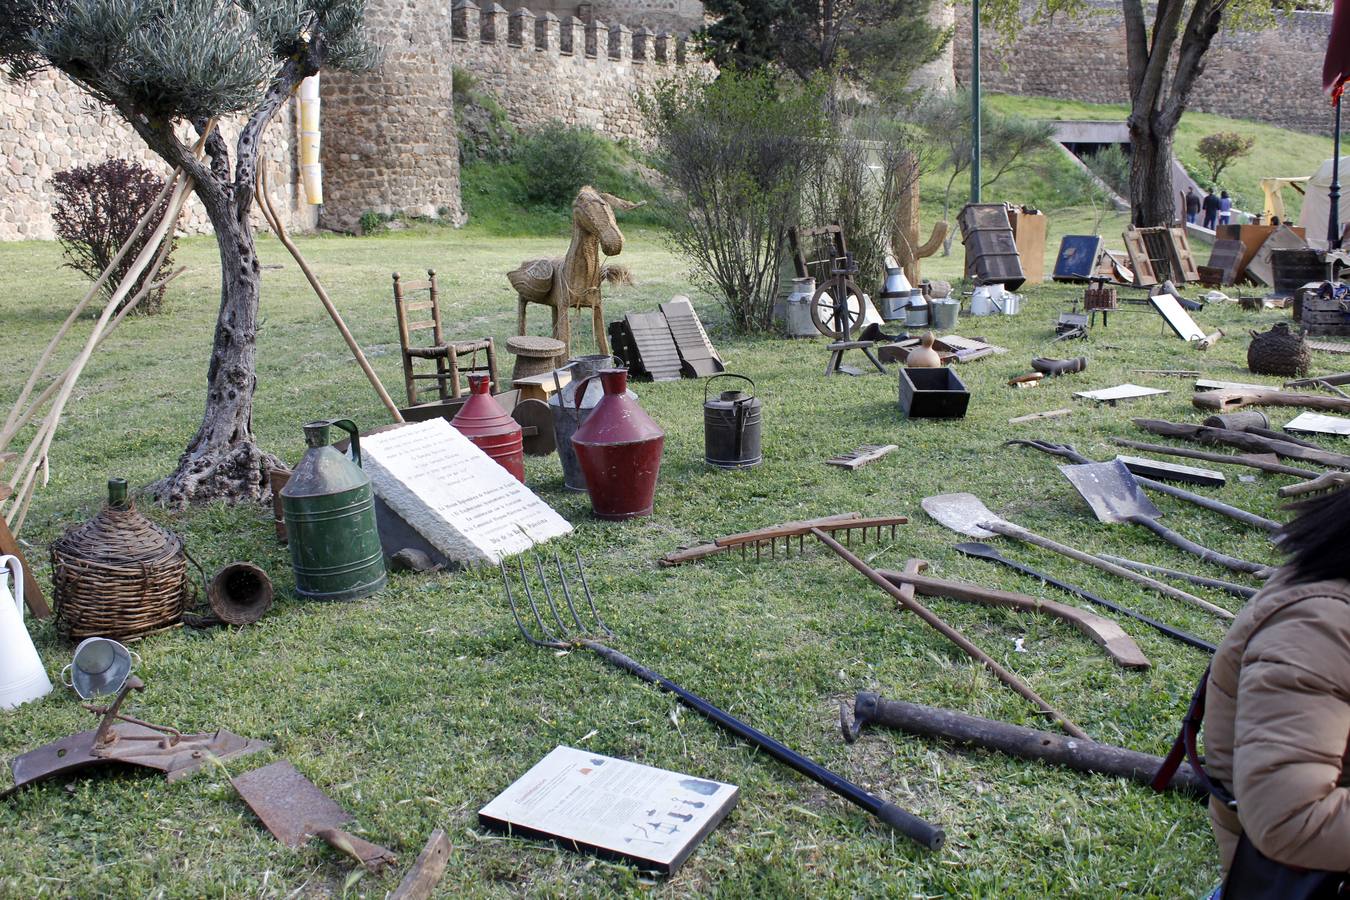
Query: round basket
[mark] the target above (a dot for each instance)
(1278, 352)
(119, 575)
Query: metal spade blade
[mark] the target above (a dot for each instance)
(962, 513)
(1111, 490)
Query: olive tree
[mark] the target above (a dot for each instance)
(165, 66)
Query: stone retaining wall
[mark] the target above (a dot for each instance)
(1271, 75)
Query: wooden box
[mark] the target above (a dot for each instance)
(1029, 229)
(933, 394)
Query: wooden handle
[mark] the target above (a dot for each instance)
(1019, 533)
(1234, 399)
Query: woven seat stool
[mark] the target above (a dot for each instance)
(534, 354)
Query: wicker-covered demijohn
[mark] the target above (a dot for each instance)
(1278, 352)
(119, 575)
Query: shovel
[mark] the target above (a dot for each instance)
(966, 514)
(1110, 489)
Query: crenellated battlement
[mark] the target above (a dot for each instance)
(567, 36)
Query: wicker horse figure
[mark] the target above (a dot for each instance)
(573, 281)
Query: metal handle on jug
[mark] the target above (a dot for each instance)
(713, 378)
(581, 392)
(349, 426)
(16, 572)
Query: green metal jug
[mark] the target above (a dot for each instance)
(330, 516)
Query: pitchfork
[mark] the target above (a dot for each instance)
(572, 634)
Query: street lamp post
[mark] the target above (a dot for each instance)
(975, 101)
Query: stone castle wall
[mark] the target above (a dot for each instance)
(50, 125)
(541, 68)
(389, 136)
(1271, 75)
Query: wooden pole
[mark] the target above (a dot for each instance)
(1228, 458)
(1081, 755)
(907, 601)
(273, 220)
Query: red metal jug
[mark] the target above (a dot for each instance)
(483, 421)
(619, 448)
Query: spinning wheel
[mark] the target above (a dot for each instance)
(837, 307)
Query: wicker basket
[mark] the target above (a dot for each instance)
(1278, 352)
(1103, 297)
(119, 575)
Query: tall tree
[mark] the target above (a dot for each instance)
(1165, 46)
(858, 39)
(164, 65)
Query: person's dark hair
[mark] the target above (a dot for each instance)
(1224, 194)
(1316, 539)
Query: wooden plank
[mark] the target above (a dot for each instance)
(856, 459)
(1144, 275)
(427, 871)
(655, 347)
(699, 357)
(1036, 417)
(1329, 346)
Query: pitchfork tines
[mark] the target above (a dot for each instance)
(567, 636)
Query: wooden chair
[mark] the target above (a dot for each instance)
(446, 356)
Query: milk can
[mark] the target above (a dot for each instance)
(797, 317)
(567, 418)
(619, 448)
(330, 518)
(732, 424)
(483, 421)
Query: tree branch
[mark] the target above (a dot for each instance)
(216, 150)
(1165, 24)
(1136, 43)
(1201, 29)
(291, 73)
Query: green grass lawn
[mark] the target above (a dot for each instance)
(415, 707)
(1277, 152)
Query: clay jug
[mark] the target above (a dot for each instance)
(483, 421)
(619, 448)
(924, 356)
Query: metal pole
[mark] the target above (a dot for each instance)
(1334, 195)
(975, 101)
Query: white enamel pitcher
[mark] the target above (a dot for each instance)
(22, 677)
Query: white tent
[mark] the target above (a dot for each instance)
(1317, 205)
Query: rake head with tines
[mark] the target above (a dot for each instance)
(567, 636)
(560, 607)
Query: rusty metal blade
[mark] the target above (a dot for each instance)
(288, 803)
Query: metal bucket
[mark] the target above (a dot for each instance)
(942, 314)
(567, 419)
(732, 426)
(916, 314)
(797, 320)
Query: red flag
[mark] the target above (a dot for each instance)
(1336, 66)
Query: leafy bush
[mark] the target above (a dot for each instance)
(373, 223)
(97, 208)
(1221, 149)
(862, 184)
(557, 160)
(481, 126)
(1111, 165)
(735, 152)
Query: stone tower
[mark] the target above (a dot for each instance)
(389, 135)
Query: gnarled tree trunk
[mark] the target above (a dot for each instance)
(223, 460)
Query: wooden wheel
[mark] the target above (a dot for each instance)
(837, 317)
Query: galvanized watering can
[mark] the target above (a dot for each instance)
(732, 425)
(330, 517)
(22, 677)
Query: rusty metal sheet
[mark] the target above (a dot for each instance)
(135, 745)
(288, 803)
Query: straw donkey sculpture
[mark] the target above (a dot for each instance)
(573, 281)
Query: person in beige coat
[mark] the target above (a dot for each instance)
(1277, 718)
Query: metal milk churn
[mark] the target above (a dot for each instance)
(619, 447)
(483, 421)
(22, 677)
(567, 417)
(330, 517)
(797, 316)
(732, 423)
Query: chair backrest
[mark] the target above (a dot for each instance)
(820, 251)
(407, 308)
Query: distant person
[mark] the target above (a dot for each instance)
(1225, 209)
(1211, 207)
(1192, 204)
